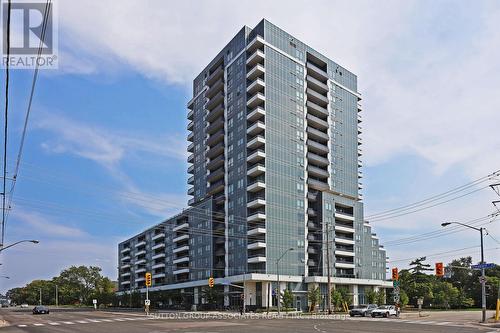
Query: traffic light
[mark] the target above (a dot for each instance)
(148, 279)
(211, 282)
(395, 274)
(439, 269)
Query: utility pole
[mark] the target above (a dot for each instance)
(57, 297)
(483, 280)
(40, 296)
(328, 296)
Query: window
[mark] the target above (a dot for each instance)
(230, 123)
(300, 203)
(300, 187)
(230, 162)
(230, 189)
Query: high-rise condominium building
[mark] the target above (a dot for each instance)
(275, 180)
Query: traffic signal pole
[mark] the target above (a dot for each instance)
(483, 281)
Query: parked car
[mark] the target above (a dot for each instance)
(24, 306)
(40, 309)
(385, 311)
(362, 310)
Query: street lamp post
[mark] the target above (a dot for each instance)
(34, 241)
(483, 277)
(278, 293)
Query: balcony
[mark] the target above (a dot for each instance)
(140, 270)
(360, 152)
(180, 238)
(360, 141)
(191, 158)
(215, 150)
(181, 271)
(190, 114)
(317, 147)
(256, 86)
(255, 260)
(257, 216)
(216, 74)
(191, 169)
(346, 241)
(191, 180)
(317, 172)
(256, 245)
(190, 191)
(158, 266)
(190, 137)
(345, 229)
(215, 101)
(140, 262)
(256, 186)
(256, 128)
(215, 138)
(317, 110)
(344, 253)
(316, 72)
(256, 156)
(191, 147)
(158, 275)
(141, 243)
(125, 282)
(256, 71)
(256, 170)
(256, 203)
(316, 84)
(319, 160)
(158, 246)
(316, 134)
(216, 112)
(181, 249)
(316, 97)
(216, 175)
(125, 274)
(257, 42)
(125, 250)
(215, 163)
(140, 253)
(179, 260)
(182, 226)
(158, 256)
(216, 187)
(256, 100)
(317, 184)
(343, 216)
(256, 231)
(257, 57)
(215, 126)
(344, 265)
(256, 114)
(256, 142)
(190, 126)
(311, 262)
(359, 118)
(214, 88)
(316, 122)
(125, 266)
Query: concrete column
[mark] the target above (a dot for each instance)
(267, 297)
(196, 297)
(250, 293)
(355, 294)
(226, 295)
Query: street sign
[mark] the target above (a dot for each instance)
(395, 283)
(94, 301)
(396, 298)
(420, 301)
(483, 266)
(147, 302)
(482, 279)
(397, 290)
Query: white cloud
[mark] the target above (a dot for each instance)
(41, 225)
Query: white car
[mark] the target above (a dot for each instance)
(385, 311)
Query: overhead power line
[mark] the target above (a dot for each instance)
(431, 201)
(48, 8)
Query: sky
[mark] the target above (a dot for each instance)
(105, 155)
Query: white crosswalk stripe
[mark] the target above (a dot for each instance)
(82, 322)
(54, 324)
(38, 324)
(22, 325)
(68, 322)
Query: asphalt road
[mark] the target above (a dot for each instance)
(94, 322)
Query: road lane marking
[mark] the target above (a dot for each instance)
(107, 320)
(93, 320)
(68, 322)
(119, 319)
(82, 322)
(38, 324)
(22, 325)
(54, 324)
(443, 323)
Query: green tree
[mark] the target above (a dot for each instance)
(313, 296)
(371, 296)
(287, 299)
(77, 284)
(403, 298)
(381, 299)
